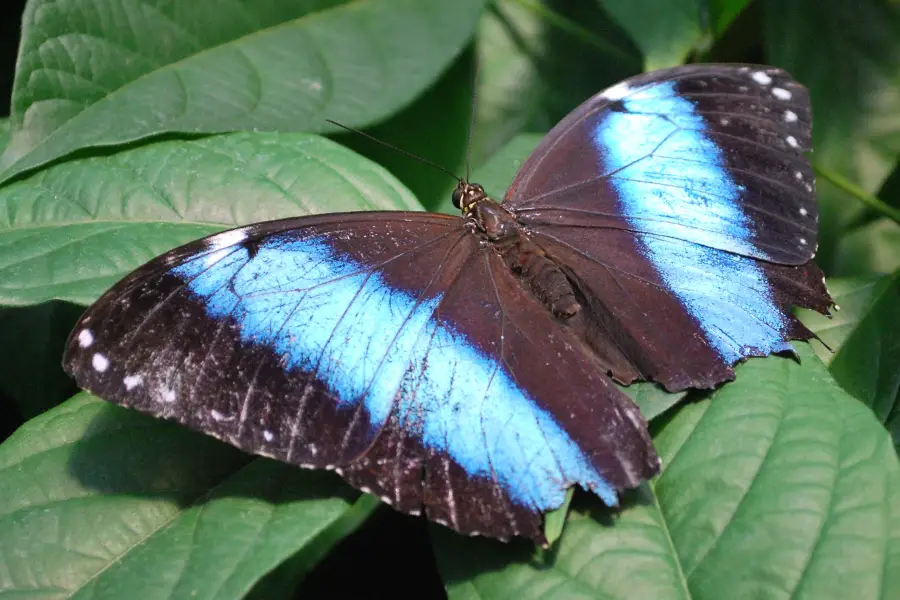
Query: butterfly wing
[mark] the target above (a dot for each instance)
(681, 202)
(394, 348)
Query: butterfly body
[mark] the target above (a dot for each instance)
(461, 366)
(520, 254)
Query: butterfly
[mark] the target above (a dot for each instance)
(463, 366)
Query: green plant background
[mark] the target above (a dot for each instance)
(137, 125)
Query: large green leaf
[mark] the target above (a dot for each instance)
(855, 91)
(103, 72)
(103, 502)
(868, 362)
(778, 485)
(72, 230)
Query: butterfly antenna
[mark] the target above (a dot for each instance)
(396, 149)
(472, 117)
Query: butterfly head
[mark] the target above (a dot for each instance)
(466, 195)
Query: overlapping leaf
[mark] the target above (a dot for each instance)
(102, 502)
(103, 72)
(72, 230)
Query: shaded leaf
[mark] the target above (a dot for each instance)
(723, 12)
(73, 230)
(855, 92)
(30, 369)
(104, 72)
(666, 31)
(777, 485)
(103, 502)
(435, 127)
(868, 362)
(531, 72)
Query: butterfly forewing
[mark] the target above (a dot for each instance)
(711, 154)
(396, 348)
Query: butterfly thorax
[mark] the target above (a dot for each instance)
(523, 257)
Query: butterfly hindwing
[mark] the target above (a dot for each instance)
(682, 204)
(395, 348)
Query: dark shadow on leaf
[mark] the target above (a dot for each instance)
(33, 340)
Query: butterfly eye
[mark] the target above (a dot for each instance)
(457, 197)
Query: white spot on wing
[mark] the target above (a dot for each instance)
(792, 141)
(216, 415)
(85, 338)
(100, 362)
(790, 116)
(781, 93)
(761, 78)
(168, 395)
(803, 212)
(616, 92)
(132, 381)
(798, 175)
(802, 241)
(268, 435)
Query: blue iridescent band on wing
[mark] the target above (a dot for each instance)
(659, 156)
(369, 343)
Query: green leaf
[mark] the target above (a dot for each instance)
(74, 229)
(98, 73)
(872, 248)
(666, 31)
(103, 502)
(854, 297)
(531, 70)
(855, 92)
(868, 362)
(778, 485)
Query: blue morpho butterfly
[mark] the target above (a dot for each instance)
(461, 366)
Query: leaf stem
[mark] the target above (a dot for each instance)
(573, 28)
(848, 187)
